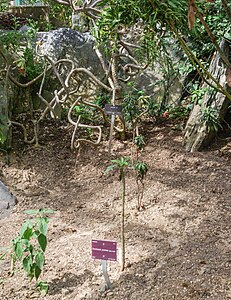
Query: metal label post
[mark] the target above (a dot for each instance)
(104, 250)
(108, 285)
(112, 110)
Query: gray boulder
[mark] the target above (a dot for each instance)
(66, 43)
(7, 199)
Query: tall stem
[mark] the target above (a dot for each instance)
(122, 220)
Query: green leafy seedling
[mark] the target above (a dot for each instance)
(29, 246)
(139, 141)
(42, 286)
(141, 169)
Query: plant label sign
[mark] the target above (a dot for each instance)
(113, 109)
(104, 250)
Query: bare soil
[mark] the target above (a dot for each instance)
(178, 247)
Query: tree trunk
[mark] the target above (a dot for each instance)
(198, 132)
(5, 113)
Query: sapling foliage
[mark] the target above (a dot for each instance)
(29, 247)
(141, 169)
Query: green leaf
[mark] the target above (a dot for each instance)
(37, 272)
(36, 233)
(18, 249)
(39, 259)
(142, 169)
(26, 230)
(42, 286)
(122, 162)
(42, 239)
(31, 211)
(27, 265)
(110, 168)
(46, 211)
(43, 226)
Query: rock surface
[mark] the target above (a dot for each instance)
(7, 199)
(66, 43)
(198, 133)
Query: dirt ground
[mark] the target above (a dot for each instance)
(178, 247)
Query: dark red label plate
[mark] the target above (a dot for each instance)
(105, 250)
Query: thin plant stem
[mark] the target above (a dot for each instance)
(122, 220)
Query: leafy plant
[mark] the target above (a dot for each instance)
(169, 18)
(209, 116)
(29, 246)
(19, 48)
(153, 109)
(178, 112)
(135, 104)
(4, 5)
(218, 22)
(59, 12)
(139, 141)
(121, 164)
(141, 169)
(102, 99)
(89, 113)
(83, 111)
(198, 94)
(10, 39)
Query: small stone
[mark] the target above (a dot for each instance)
(65, 292)
(140, 275)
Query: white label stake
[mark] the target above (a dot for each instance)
(107, 285)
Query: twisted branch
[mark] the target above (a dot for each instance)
(77, 124)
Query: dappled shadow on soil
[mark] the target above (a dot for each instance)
(178, 247)
(68, 282)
